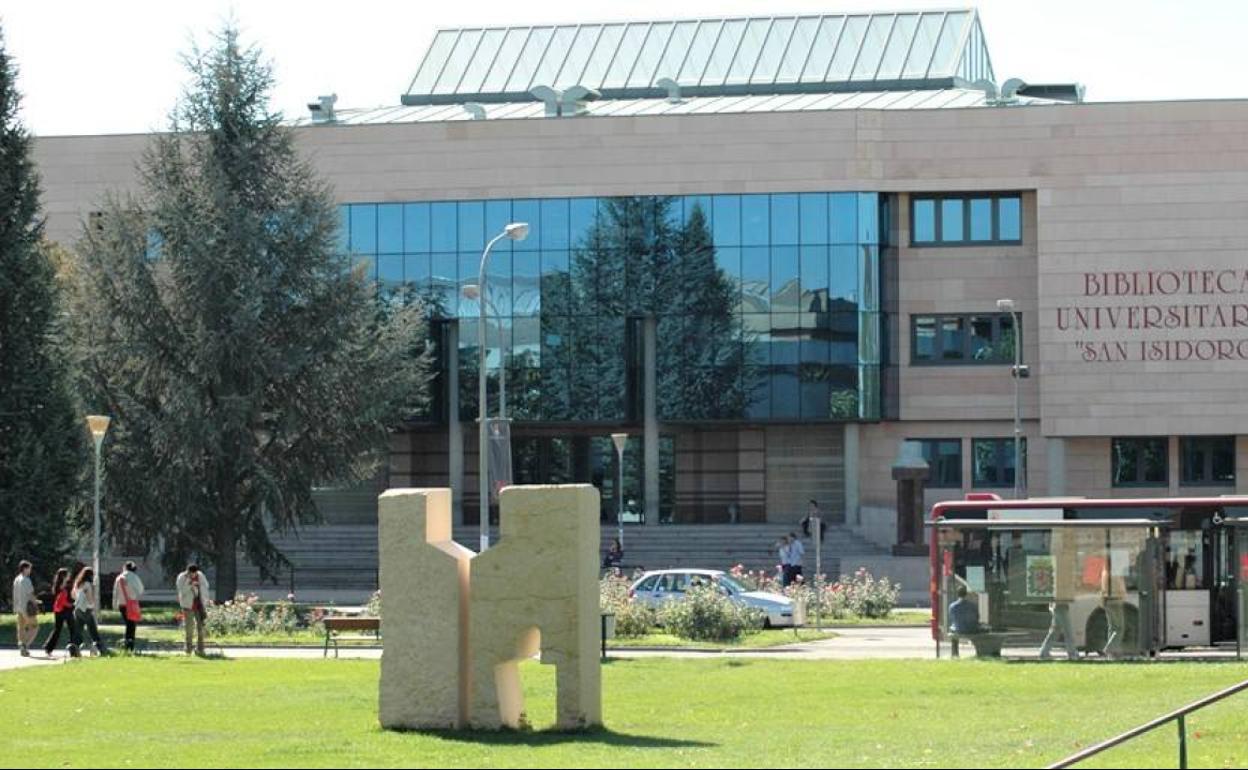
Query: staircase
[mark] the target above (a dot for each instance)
(338, 562)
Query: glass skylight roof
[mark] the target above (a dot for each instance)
(707, 57)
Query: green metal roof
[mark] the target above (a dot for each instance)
(706, 57)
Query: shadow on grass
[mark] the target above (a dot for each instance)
(553, 737)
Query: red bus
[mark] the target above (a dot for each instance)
(1124, 576)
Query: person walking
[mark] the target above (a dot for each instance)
(26, 607)
(782, 549)
(193, 594)
(63, 610)
(796, 553)
(85, 606)
(127, 590)
(813, 521)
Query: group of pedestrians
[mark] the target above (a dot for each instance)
(791, 550)
(75, 604)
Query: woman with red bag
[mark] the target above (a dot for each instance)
(63, 608)
(127, 590)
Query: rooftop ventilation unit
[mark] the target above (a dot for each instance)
(672, 88)
(477, 111)
(569, 102)
(322, 110)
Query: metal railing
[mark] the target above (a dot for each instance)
(1179, 716)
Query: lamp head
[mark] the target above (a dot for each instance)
(1005, 305)
(471, 291)
(620, 440)
(517, 231)
(98, 425)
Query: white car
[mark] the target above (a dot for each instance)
(656, 588)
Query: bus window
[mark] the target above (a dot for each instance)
(1185, 560)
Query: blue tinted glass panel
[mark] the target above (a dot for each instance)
(526, 283)
(786, 338)
(815, 399)
(497, 217)
(981, 219)
(1010, 219)
(555, 223)
(498, 283)
(471, 225)
(785, 393)
(843, 208)
(344, 229)
(702, 202)
(756, 279)
(469, 273)
(843, 277)
(390, 271)
(868, 218)
(556, 292)
(924, 224)
(390, 228)
(869, 277)
(444, 226)
(755, 220)
(728, 260)
(814, 283)
(758, 393)
(416, 235)
(814, 216)
(445, 282)
(785, 286)
(726, 220)
(784, 219)
(951, 220)
(416, 271)
(528, 211)
(364, 228)
(582, 216)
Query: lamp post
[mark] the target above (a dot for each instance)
(1018, 372)
(516, 231)
(620, 440)
(98, 425)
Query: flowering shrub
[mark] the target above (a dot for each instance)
(706, 614)
(869, 597)
(373, 608)
(861, 594)
(632, 618)
(246, 614)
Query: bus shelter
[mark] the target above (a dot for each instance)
(1065, 588)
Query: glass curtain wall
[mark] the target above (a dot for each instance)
(768, 306)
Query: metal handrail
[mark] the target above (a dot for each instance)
(1180, 716)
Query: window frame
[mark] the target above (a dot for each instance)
(931, 482)
(1138, 442)
(938, 201)
(999, 456)
(1209, 442)
(967, 358)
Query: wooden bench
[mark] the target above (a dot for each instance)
(987, 643)
(363, 628)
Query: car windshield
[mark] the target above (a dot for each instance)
(731, 584)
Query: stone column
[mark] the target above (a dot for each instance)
(853, 513)
(1056, 448)
(454, 430)
(910, 471)
(651, 416)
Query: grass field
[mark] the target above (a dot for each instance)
(689, 713)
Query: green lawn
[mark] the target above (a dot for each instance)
(689, 713)
(777, 637)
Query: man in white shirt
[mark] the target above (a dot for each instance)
(26, 607)
(193, 598)
(796, 552)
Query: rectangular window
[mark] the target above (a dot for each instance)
(992, 461)
(965, 219)
(1208, 460)
(944, 457)
(1141, 462)
(981, 338)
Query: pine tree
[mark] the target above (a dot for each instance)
(242, 361)
(41, 440)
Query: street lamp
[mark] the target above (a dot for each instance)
(516, 231)
(1018, 372)
(98, 425)
(620, 440)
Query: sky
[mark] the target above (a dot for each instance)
(91, 67)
